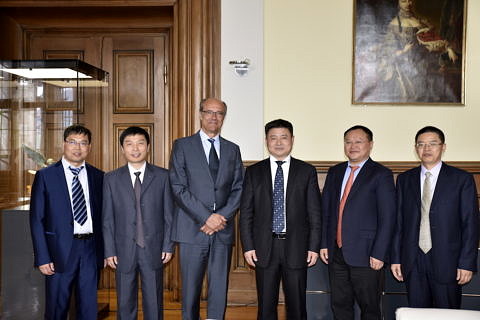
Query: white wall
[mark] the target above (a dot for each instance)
(308, 77)
(242, 37)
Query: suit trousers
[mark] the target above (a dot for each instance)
(349, 284)
(152, 290)
(215, 257)
(425, 292)
(268, 283)
(80, 272)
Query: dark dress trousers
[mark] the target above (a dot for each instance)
(454, 225)
(281, 259)
(77, 262)
(197, 196)
(367, 229)
(119, 228)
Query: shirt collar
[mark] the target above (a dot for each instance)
(360, 165)
(67, 164)
(132, 170)
(274, 160)
(204, 136)
(435, 171)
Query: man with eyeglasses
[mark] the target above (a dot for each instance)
(206, 175)
(66, 227)
(436, 239)
(357, 227)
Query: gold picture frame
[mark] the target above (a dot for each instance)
(409, 52)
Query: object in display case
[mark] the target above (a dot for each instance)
(38, 100)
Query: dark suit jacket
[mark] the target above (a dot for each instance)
(195, 191)
(454, 222)
(51, 217)
(303, 212)
(119, 216)
(368, 216)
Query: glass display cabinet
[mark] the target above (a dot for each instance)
(38, 100)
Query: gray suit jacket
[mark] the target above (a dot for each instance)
(120, 216)
(195, 192)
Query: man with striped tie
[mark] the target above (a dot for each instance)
(65, 221)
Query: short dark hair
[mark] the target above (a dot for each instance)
(367, 131)
(279, 123)
(202, 104)
(432, 129)
(77, 129)
(131, 131)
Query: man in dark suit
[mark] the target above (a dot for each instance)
(65, 221)
(137, 221)
(280, 216)
(358, 223)
(436, 240)
(206, 173)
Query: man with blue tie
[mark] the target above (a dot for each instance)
(206, 173)
(358, 222)
(435, 246)
(65, 222)
(280, 216)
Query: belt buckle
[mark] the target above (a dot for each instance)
(281, 236)
(83, 236)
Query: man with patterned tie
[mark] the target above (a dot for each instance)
(280, 215)
(435, 246)
(65, 221)
(358, 222)
(137, 221)
(206, 173)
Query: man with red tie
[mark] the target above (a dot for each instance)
(358, 223)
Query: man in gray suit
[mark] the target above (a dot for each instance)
(137, 220)
(206, 174)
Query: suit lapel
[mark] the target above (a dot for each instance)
(339, 174)
(197, 147)
(362, 176)
(126, 181)
(441, 186)
(224, 150)
(291, 179)
(91, 187)
(414, 186)
(63, 184)
(148, 177)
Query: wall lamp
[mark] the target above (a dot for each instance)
(240, 67)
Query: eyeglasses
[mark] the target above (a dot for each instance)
(82, 144)
(210, 113)
(432, 145)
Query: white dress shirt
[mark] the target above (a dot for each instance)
(285, 169)
(435, 171)
(83, 179)
(132, 171)
(347, 174)
(207, 144)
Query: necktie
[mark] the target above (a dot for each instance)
(343, 200)
(213, 162)
(425, 239)
(78, 198)
(137, 187)
(278, 223)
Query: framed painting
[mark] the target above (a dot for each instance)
(409, 52)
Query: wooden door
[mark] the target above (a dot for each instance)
(137, 64)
